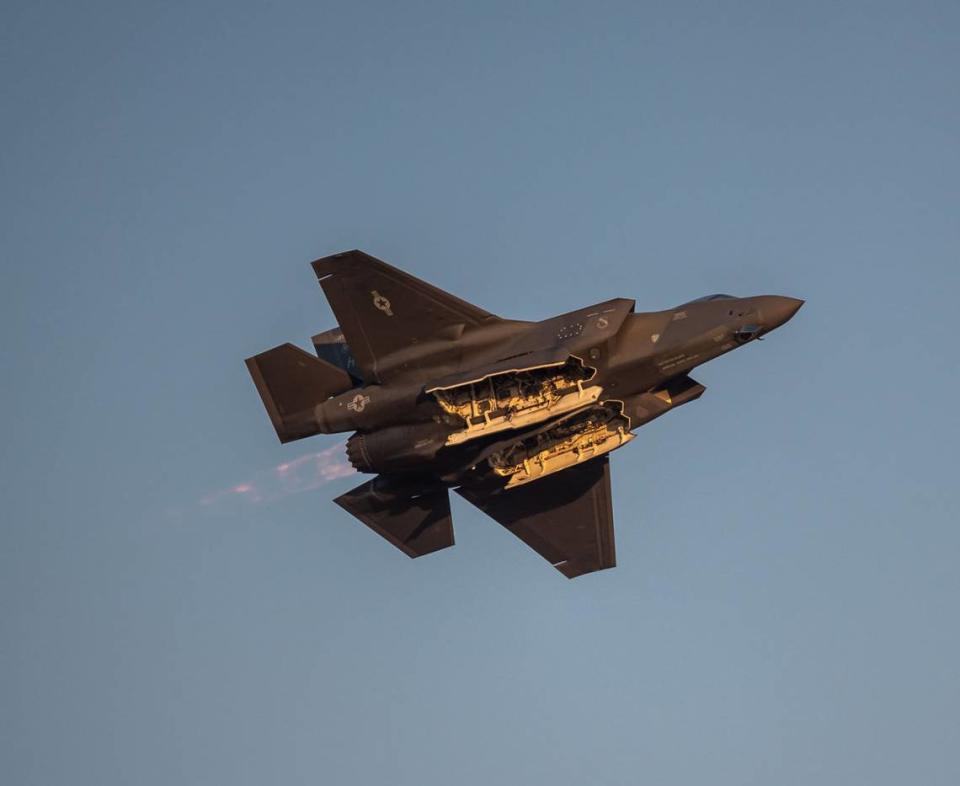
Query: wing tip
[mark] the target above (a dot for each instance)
(573, 569)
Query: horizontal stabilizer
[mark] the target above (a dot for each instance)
(413, 517)
(291, 383)
(567, 518)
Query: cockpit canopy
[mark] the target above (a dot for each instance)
(713, 297)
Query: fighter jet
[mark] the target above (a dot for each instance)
(520, 418)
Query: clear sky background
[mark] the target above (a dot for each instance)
(175, 610)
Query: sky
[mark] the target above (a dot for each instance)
(180, 600)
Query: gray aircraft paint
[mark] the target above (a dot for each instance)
(519, 416)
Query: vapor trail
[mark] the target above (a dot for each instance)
(304, 473)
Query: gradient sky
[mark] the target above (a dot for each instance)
(176, 610)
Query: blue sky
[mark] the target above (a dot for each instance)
(785, 608)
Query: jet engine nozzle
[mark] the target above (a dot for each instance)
(397, 448)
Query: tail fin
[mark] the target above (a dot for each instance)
(291, 383)
(332, 347)
(383, 311)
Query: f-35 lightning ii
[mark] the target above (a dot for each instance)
(519, 417)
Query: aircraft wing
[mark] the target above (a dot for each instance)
(382, 310)
(567, 518)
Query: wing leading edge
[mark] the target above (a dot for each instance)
(566, 518)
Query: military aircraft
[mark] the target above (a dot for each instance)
(518, 417)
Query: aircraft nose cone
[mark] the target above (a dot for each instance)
(777, 309)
